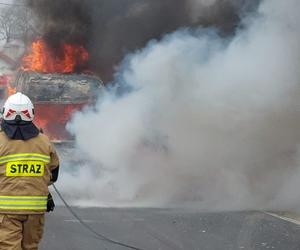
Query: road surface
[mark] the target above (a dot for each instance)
(169, 229)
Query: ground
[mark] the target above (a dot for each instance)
(170, 229)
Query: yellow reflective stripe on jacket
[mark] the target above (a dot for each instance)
(25, 157)
(23, 202)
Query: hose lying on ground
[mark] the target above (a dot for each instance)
(99, 236)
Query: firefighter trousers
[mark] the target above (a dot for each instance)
(21, 232)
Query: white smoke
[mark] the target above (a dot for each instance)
(209, 121)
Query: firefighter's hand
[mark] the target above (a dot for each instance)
(50, 203)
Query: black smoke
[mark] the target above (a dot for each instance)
(111, 28)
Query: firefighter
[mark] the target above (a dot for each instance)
(28, 164)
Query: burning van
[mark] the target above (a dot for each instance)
(57, 82)
(56, 97)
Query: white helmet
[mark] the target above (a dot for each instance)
(18, 105)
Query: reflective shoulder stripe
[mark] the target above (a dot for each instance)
(23, 202)
(26, 157)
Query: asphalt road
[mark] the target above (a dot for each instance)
(169, 229)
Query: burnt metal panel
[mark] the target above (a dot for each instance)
(58, 88)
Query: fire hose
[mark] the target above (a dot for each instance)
(90, 229)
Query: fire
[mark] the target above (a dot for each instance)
(53, 117)
(10, 90)
(44, 59)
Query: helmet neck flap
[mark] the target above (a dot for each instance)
(19, 130)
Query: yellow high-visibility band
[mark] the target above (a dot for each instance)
(25, 156)
(37, 197)
(23, 207)
(23, 202)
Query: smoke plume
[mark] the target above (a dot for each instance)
(209, 120)
(109, 29)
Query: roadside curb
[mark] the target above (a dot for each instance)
(286, 216)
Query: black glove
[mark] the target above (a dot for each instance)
(50, 203)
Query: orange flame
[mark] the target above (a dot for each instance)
(43, 59)
(10, 90)
(53, 117)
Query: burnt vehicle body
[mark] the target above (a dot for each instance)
(56, 97)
